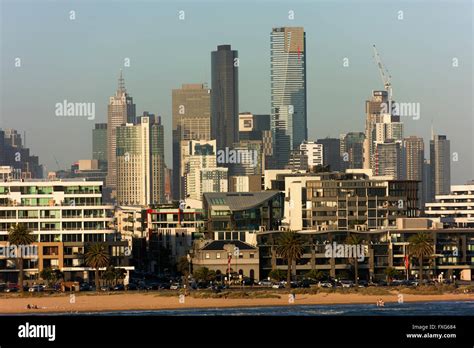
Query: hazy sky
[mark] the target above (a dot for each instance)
(79, 61)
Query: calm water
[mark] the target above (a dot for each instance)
(460, 308)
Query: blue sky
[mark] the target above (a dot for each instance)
(79, 60)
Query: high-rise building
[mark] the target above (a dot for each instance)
(352, 150)
(191, 121)
(99, 144)
(388, 159)
(380, 125)
(225, 96)
(413, 156)
(200, 170)
(428, 195)
(288, 91)
(140, 162)
(251, 127)
(314, 153)
(440, 161)
(14, 154)
(331, 156)
(120, 110)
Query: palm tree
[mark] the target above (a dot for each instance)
(97, 257)
(20, 235)
(421, 247)
(290, 248)
(354, 239)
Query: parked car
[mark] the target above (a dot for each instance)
(174, 286)
(347, 283)
(325, 284)
(132, 286)
(265, 283)
(248, 281)
(85, 287)
(36, 288)
(362, 284)
(106, 288)
(278, 286)
(14, 288)
(119, 287)
(164, 286)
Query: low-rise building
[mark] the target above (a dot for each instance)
(226, 257)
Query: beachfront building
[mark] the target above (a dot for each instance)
(239, 215)
(232, 258)
(455, 208)
(351, 200)
(66, 217)
(169, 232)
(453, 256)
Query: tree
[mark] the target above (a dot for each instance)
(183, 265)
(97, 257)
(421, 247)
(316, 274)
(204, 274)
(277, 274)
(19, 235)
(119, 274)
(290, 248)
(354, 239)
(47, 275)
(391, 273)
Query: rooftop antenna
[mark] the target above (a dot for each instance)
(121, 83)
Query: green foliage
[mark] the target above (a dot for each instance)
(204, 274)
(277, 275)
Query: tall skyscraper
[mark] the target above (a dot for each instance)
(225, 96)
(288, 91)
(352, 150)
(413, 155)
(120, 110)
(99, 144)
(413, 158)
(140, 162)
(191, 121)
(440, 162)
(331, 156)
(380, 125)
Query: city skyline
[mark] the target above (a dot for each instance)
(324, 117)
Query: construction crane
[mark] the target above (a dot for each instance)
(57, 163)
(385, 75)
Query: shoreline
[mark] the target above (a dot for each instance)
(155, 302)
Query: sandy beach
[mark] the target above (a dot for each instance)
(154, 301)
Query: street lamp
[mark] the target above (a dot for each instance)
(454, 277)
(188, 256)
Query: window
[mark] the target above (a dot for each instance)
(252, 255)
(208, 256)
(218, 255)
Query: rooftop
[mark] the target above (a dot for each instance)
(237, 201)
